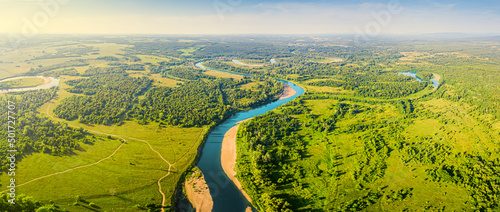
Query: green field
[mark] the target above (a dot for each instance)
(130, 113)
(252, 62)
(347, 145)
(188, 51)
(125, 165)
(126, 181)
(120, 182)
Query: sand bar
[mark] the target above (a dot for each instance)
(49, 82)
(288, 92)
(198, 193)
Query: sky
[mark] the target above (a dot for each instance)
(369, 18)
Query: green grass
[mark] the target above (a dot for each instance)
(21, 61)
(223, 74)
(462, 132)
(154, 59)
(131, 174)
(164, 81)
(350, 94)
(132, 183)
(253, 62)
(251, 86)
(188, 51)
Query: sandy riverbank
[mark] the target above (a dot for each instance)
(228, 158)
(333, 61)
(244, 64)
(438, 78)
(198, 193)
(288, 92)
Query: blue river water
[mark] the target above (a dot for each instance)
(226, 196)
(414, 75)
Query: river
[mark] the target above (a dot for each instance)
(226, 196)
(435, 80)
(200, 65)
(53, 83)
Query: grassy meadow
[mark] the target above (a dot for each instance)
(22, 83)
(125, 181)
(348, 145)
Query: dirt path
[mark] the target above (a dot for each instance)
(159, 180)
(107, 134)
(78, 167)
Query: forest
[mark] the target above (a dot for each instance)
(39, 134)
(110, 96)
(25, 203)
(386, 86)
(281, 169)
(200, 103)
(361, 138)
(107, 97)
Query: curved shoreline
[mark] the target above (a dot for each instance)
(229, 149)
(287, 92)
(436, 80)
(228, 158)
(225, 194)
(244, 64)
(49, 82)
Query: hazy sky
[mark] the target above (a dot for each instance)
(248, 16)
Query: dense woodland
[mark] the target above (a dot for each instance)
(69, 64)
(64, 52)
(278, 170)
(376, 85)
(107, 97)
(39, 134)
(25, 203)
(185, 73)
(200, 103)
(110, 96)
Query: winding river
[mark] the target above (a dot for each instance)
(435, 80)
(226, 196)
(49, 83)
